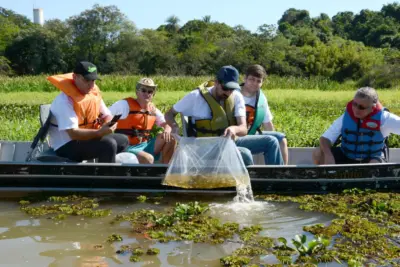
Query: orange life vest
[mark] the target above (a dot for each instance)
(138, 124)
(250, 115)
(86, 106)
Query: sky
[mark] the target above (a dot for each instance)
(153, 13)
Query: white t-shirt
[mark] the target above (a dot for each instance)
(195, 106)
(390, 123)
(122, 107)
(251, 101)
(65, 117)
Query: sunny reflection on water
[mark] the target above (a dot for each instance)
(77, 241)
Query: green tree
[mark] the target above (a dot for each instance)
(96, 30)
(172, 25)
(207, 19)
(36, 52)
(342, 23)
(21, 21)
(392, 10)
(8, 31)
(295, 17)
(266, 31)
(5, 68)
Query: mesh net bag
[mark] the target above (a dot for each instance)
(205, 163)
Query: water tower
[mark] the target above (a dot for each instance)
(38, 16)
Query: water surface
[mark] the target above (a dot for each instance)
(77, 241)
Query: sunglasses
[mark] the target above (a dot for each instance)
(144, 90)
(360, 107)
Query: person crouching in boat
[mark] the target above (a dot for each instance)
(363, 128)
(218, 109)
(258, 113)
(138, 118)
(80, 128)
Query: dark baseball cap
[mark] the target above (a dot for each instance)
(228, 76)
(87, 70)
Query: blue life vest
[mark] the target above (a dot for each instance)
(362, 139)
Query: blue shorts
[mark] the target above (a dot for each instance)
(278, 135)
(147, 146)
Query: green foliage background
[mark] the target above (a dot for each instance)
(303, 115)
(362, 48)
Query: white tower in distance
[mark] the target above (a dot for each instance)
(38, 16)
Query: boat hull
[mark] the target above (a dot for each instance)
(140, 178)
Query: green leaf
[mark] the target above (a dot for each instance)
(303, 239)
(297, 238)
(283, 240)
(297, 244)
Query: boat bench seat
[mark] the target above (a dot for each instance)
(18, 151)
(49, 155)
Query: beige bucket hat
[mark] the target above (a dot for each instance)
(146, 82)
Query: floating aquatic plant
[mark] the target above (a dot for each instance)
(113, 238)
(141, 198)
(134, 258)
(366, 231)
(153, 251)
(70, 205)
(234, 261)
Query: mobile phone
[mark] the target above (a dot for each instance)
(115, 119)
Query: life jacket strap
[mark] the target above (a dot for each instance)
(208, 131)
(134, 132)
(362, 142)
(369, 133)
(144, 112)
(366, 152)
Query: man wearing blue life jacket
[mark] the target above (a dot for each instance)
(364, 126)
(217, 109)
(258, 114)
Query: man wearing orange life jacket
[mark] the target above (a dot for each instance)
(80, 128)
(138, 118)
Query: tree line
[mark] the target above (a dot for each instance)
(363, 47)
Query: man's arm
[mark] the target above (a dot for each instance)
(325, 145)
(170, 120)
(328, 138)
(166, 127)
(66, 119)
(237, 130)
(88, 134)
(241, 128)
(107, 116)
(268, 126)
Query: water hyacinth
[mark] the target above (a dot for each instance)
(366, 231)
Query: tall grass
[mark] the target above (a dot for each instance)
(120, 83)
(303, 115)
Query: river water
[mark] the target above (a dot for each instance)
(77, 241)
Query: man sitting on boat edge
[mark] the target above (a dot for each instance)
(363, 128)
(258, 113)
(138, 118)
(216, 109)
(80, 127)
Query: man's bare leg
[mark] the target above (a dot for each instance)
(166, 149)
(284, 151)
(318, 156)
(145, 158)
